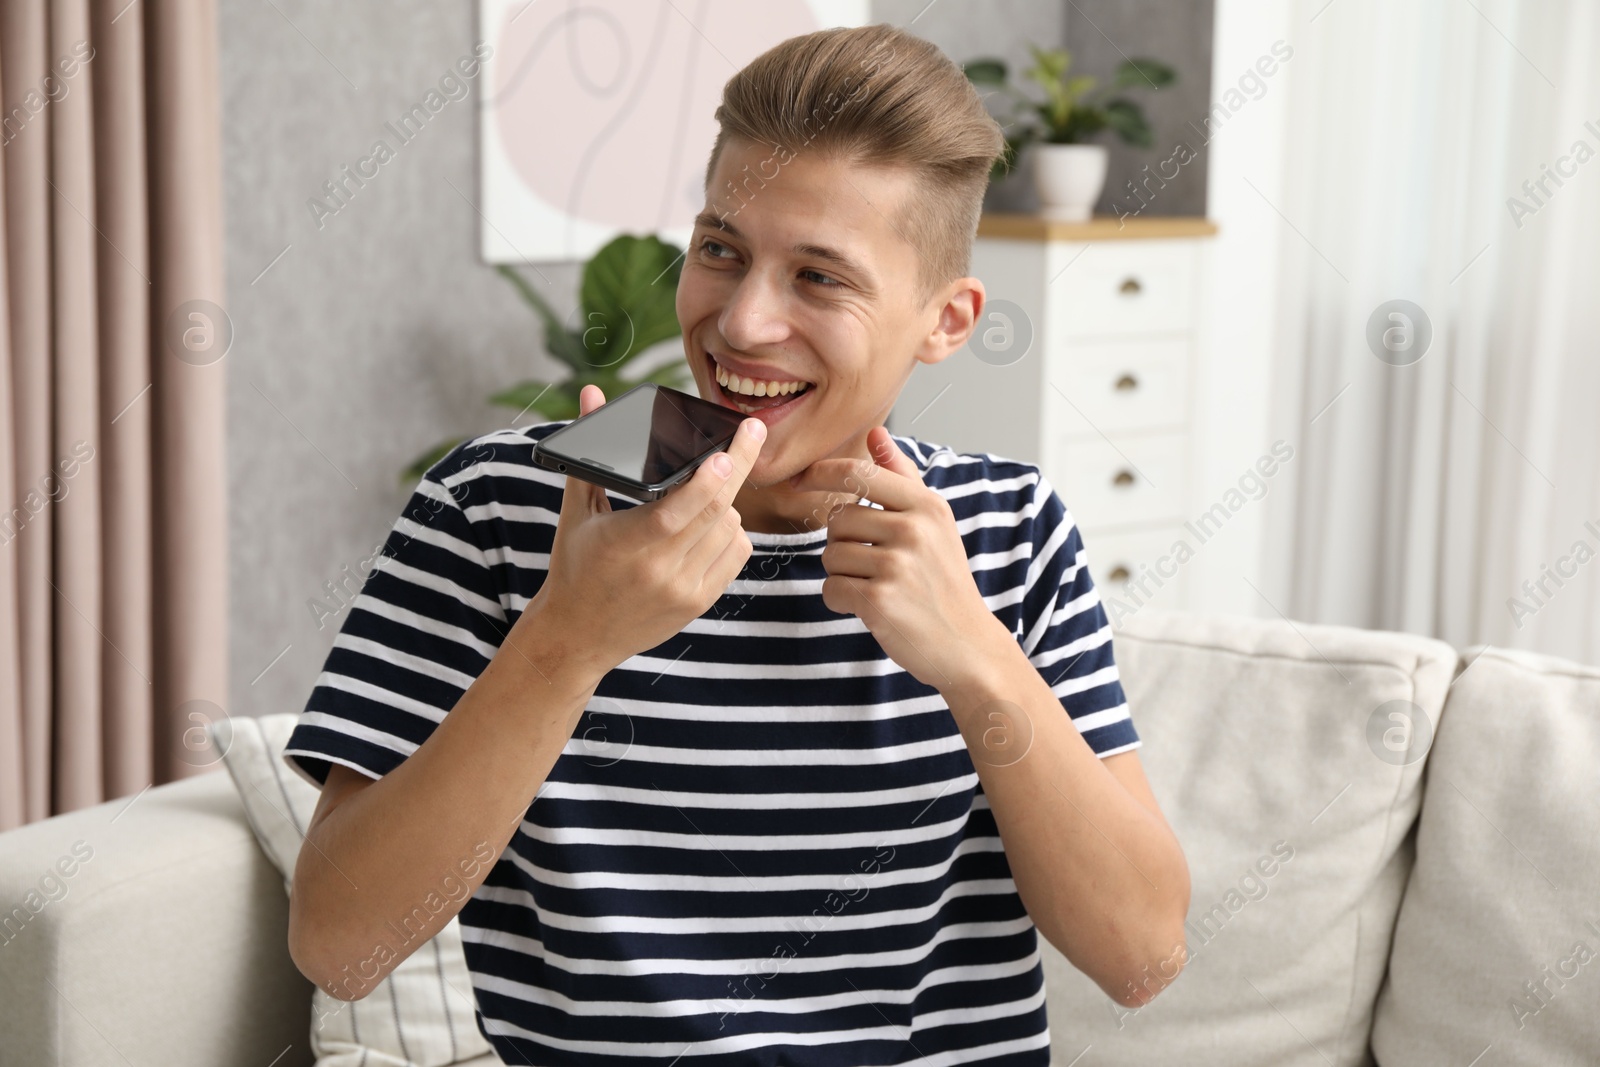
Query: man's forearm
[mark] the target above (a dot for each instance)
(1101, 875)
(394, 862)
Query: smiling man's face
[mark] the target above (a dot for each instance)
(807, 286)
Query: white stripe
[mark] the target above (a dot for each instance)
(980, 562)
(977, 1014)
(385, 654)
(424, 624)
(996, 486)
(694, 840)
(846, 918)
(848, 668)
(1084, 682)
(361, 688)
(878, 755)
(635, 967)
(428, 580)
(1096, 719)
(429, 534)
(910, 794)
(742, 1042)
(670, 711)
(734, 882)
(1072, 649)
(667, 1009)
(730, 625)
(1042, 559)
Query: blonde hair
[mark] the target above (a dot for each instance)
(875, 96)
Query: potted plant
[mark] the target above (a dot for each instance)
(627, 303)
(1069, 171)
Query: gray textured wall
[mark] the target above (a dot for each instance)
(1100, 33)
(380, 332)
(371, 338)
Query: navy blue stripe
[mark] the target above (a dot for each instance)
(655, 731)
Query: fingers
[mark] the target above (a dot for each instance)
(578, 497)
(726, 565)
(880, 442)
(695, 506)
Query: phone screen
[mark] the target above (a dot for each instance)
(647, 434)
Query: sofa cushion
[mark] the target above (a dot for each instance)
(1498, 942)
(1272, 752)
(423, 1013)
(140, 931)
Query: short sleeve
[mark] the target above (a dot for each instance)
(1066, 633)
(427, 621)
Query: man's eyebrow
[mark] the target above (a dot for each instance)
(711, 221)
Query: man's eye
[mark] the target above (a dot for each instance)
(826, 281)
(706, 244)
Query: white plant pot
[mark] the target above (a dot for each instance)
(1068, 179)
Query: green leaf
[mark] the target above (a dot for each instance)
(554, 402)
(986, 71)
(628, 297)
(1049, 63)
(423, 463)
(1127, 119)
(1143, 74)
(1081, 124)
(1076, 87)
(558, 340)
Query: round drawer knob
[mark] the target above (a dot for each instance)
(1119, 573)
(1122, 479)
(1127, 383)
(1130, 287)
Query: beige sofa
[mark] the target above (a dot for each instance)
(1393, 853)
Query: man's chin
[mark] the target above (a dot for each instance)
(765, 477)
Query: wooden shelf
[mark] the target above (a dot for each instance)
(1099, 228)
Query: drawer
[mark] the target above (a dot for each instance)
(1122, 287)
(1136, 568)
(1117, 386)
(1140, 479)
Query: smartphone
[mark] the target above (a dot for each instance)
(641, 443)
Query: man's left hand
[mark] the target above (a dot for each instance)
(903, 570)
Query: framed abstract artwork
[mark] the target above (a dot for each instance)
(595, 116)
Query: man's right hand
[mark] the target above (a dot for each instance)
(624, 581)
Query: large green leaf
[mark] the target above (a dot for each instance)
(1127, 118)
(1142, 73)
(558, 340)
(626, 304)
(552, 401)
(628, 299)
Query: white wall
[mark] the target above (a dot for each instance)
(1237, 325)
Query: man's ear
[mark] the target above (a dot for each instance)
(960, 308)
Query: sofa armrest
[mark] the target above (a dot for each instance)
(148, 930)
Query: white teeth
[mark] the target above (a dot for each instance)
(755, 387)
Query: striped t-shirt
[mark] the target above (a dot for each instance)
(765, 842)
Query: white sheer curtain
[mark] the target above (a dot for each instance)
(1423, 497)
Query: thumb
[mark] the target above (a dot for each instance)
(887, 454)
(580, 499)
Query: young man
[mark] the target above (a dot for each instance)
(793, 765)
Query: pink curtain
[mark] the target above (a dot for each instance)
(113, 508)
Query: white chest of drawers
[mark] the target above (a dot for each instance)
(1085, 363)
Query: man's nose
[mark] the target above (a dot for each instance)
(755, 315)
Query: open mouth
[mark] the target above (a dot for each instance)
(757, 396)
